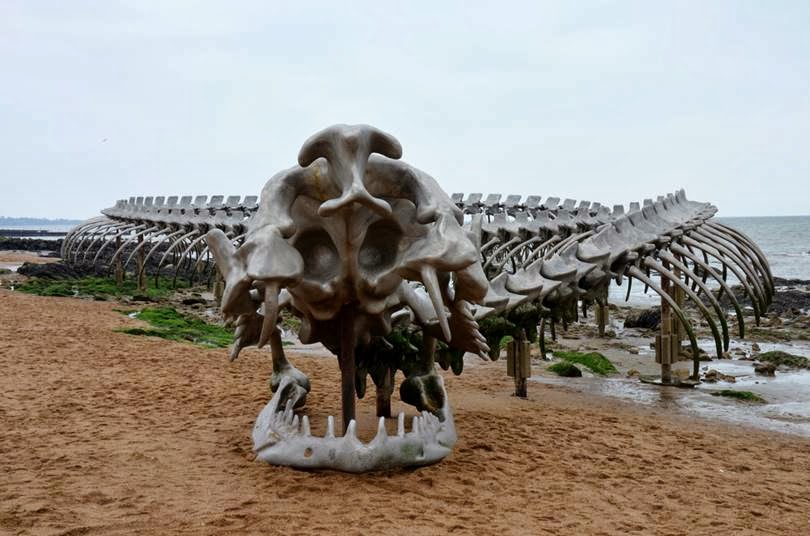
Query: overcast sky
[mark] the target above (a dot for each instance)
(604, 101)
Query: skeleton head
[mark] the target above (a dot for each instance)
(353, 236)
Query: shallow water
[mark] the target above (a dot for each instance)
(787, 394)
(13, 266)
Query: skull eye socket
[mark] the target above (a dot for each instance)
(380, 248)
(321, 260)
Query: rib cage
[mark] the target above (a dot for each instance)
(546, 252)
(558, 254)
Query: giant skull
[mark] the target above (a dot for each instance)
(354, 241)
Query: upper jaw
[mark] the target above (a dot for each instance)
(280, 437)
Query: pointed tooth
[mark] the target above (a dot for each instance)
(431, 283)
(381, 432)
(415, 425)
(330, 427)
(351, 430)
(401, 424)
(235, 348)
(271, 291)
(305, 427)
(295, 423)
(286, 415)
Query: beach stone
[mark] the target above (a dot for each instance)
(686, 353)
(54, 270)
(755, 348)
(766, 369)
(583, 370)
(785, 359)
(633, 373)
(29, 244)
(645, 318)
(633, 350)
(713, 375)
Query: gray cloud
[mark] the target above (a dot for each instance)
(599, 100)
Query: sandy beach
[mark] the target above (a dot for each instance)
(106, 433)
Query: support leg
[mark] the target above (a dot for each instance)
(347, 365)
(141, 268)
(384, 392)
(119, 268)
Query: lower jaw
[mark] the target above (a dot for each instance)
(282, 438)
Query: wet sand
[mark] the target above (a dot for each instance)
(11, 260)
(106, 433)
(20, 257)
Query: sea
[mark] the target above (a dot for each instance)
(785, 241)
(51, 228)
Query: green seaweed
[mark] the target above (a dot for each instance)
(783, 358)
(497, 330)
(595, 361)
(94, 287)
(167, 323)
(566, 369)
(747, 396)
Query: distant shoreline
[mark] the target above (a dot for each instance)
(33, 233)
(28, 223)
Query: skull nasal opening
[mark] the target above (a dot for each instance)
(321, 259)
(380, 248)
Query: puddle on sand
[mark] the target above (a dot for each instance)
(787, 394)
(13, 266)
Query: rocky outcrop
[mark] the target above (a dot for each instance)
(645, 318)
(29, 244)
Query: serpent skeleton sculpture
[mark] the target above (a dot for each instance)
(391, 274)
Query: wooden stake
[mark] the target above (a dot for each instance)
(542, 331)
(141, 268)
(664, 347)
(519, 365)
(219, 285)
(119, 267)
(602, 317)
(384, 392)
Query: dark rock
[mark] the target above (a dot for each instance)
(686, 353)
(194, 301)
(785, 299)
(784, 359)
(647, 318)
(766, 369)
(29, 244)
(713, 376)
(783, 282)
(755, 348)
(54, 270)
